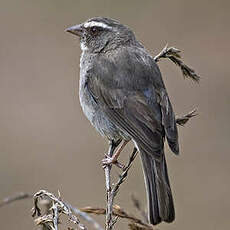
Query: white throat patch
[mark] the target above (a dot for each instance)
(98, 24)
(83, 46)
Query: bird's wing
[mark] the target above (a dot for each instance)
(129, 88)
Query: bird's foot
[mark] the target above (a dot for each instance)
(111, 160)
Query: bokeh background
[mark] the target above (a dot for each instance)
(47, 143)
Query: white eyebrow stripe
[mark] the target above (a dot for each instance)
(98, 24)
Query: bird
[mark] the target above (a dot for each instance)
(123, 95)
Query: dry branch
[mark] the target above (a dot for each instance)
(59, 207)
(173, 54)
(108, 219)
(112, 192)
(118, 212)
(182, 120)
(19, 196)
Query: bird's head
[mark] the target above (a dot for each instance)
(101, 34)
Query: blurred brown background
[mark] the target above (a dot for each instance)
(46, 142)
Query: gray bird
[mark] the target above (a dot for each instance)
(124, 97)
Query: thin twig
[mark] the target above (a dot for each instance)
(55, 215)
(58, 207)
(19, 196)
(124, 174)
(174, 55)
(45, 221)
(112, 192)
(86, 217)
(108, 221)
(182, 120)
(119, 212)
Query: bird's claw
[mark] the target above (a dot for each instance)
(109, 161)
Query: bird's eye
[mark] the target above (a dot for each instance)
(94, 30)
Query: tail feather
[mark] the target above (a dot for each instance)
(159, 195)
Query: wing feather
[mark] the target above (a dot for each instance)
(134, 98)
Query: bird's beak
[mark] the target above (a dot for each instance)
(76, 30)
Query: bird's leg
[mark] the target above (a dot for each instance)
(113, 159)
(112, 146)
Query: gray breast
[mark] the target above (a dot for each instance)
(90, 108)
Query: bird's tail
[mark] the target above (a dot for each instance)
(159, 195)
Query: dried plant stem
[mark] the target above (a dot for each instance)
(173, 54)
(182, 120)
(109, 201)
(86, 217)
(118, 212)
(124, 174)
(112, 192)
(19, 196)
(59, 207)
